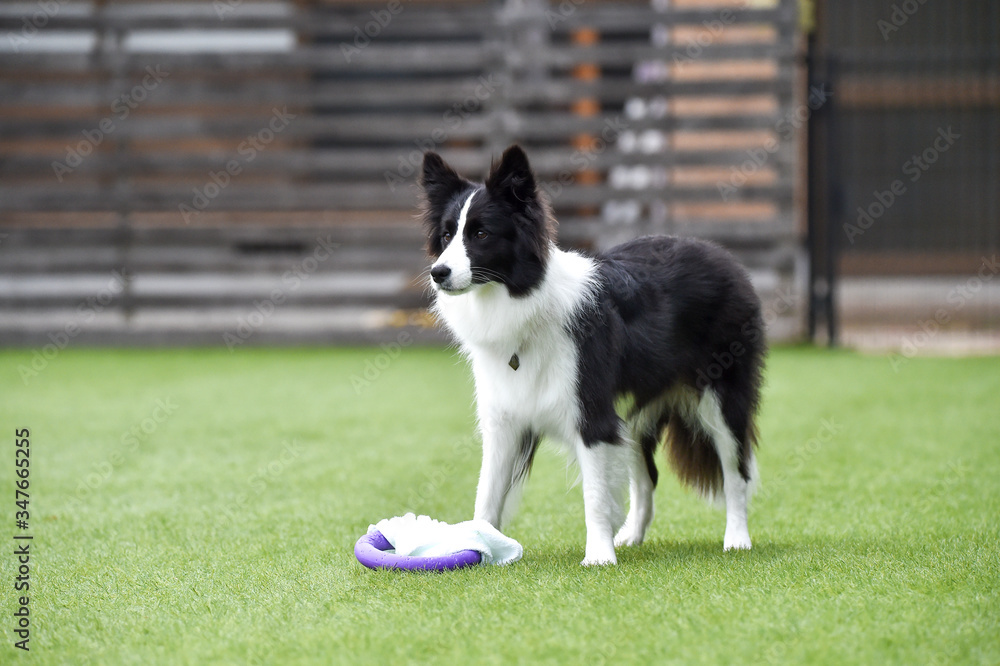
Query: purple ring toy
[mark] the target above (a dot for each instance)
(371, 552)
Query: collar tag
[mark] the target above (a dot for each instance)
(514, 362)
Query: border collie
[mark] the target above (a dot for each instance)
(607, 354)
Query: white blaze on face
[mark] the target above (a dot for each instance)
(455, 257)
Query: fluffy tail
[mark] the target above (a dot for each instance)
(692, 456)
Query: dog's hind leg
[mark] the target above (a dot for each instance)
(736, 458)
(642, 480)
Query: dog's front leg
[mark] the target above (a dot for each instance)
(601, 505)
(497, 477)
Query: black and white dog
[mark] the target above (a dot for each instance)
(604, 354)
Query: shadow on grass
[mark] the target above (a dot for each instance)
(666, 552)
(662, 553)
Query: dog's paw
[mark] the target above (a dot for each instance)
(599, 561)
(628, 536)
(738, 541)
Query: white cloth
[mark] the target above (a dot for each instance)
(422, 536)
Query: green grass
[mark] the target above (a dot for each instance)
(210, 542)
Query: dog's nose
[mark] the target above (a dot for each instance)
(440, 273)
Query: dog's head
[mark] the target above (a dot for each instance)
(500, 231)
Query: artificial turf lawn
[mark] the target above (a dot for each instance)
(224, 532)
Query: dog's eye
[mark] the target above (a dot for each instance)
(481, 235)
(446, 237)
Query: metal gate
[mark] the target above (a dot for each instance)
(905, 171)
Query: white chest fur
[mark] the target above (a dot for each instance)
(492, 326)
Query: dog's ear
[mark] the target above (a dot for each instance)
(439, 183)
(439, 180)
(511, 177)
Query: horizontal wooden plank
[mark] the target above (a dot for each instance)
(90, 269)
(469, 92)
(880, 91)
(427, 57)
(553, 125)
(354, 238)
(338, 195)
(11, 304)
(639, 17)
(283, 124)
(410, 57)
(428, 20)
(386, 237)
(224, 16)
(205, 92)
(579, 195)
(403, 299)
(225, 259)
(738, 235)
(214, 287)
(206, 326)
(293, 125)
(197, 335)
(625, 55)
(401, 161)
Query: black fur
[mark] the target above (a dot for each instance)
(511, 211)
(440, 186)
(650, 442)
(526, 456)
(670, 311)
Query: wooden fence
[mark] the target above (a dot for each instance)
(211, 170)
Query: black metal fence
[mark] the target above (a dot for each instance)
(905, 169)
